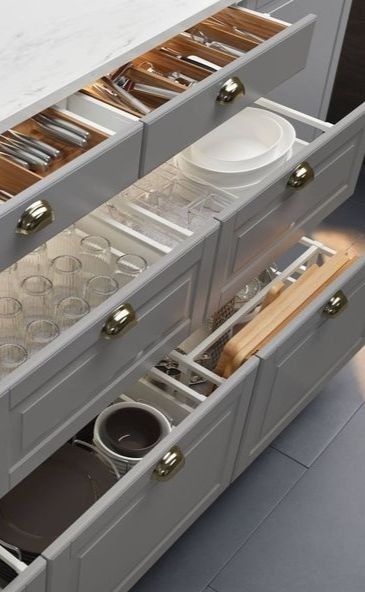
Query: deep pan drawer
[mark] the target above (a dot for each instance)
(209, 72)
(44, 203)
(60, 388)
(272, 215)
(140, 517)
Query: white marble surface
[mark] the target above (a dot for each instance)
(49, 49)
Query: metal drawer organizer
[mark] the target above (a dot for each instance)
(217, 434)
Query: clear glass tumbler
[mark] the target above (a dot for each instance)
(95, 255)
(70, 310)
(98, 288)
(128, 266)
(39, 333)
(37, 297)
(35, 263)
(9, 281)
(11, 356)
(11, 320)
(66, 276)
(66, 242)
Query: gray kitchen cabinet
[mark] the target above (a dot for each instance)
(214, 436)
(310, 90)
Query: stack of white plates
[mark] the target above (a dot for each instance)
(241, 152)
(117, 414)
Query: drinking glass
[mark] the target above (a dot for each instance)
(66, 242)
(11, 320)
(39, 333)
(98, 288)
(35, 263)
(70, 310)
(37, 297)
(95, 255)
(128, 266)
(9, 281)
(66, 275)
(11, 356)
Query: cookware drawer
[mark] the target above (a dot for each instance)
(301, 357)
(74, 186)
(272, 215)
(56, 391)
(125, 532)
(281, 53)
(32, 579)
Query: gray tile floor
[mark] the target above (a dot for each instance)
(295, 520)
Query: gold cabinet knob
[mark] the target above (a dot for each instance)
(36, 217)
(335, 304)
(121, 319)
(170, 464)
(231, 89)
(301, 175)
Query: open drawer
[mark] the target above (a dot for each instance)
(272, 215)
(208, 73)
(154, 503)
(301, 356)
(57, 389)
(80, 178)
(212, 418)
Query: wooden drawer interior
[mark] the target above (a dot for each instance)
(208, 46)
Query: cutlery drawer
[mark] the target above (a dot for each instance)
(269, 52)
(272, 215)
(46, 399)
(74, 184)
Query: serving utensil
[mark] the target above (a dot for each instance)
(190, 59)
(200, 37)
(53, 129)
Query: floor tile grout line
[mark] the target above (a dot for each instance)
(290, 457)
(306, 469)
(255, 529)
(336, 435)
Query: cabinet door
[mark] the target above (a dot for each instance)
(302, 357)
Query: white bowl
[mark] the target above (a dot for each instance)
(227, 181)
(120, 459)
(246, 141)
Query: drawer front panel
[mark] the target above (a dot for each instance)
(301, 358)
(33, 579)
(118, 540)
(73, 191)
(85, 371)
(185, 119)
(256, 232)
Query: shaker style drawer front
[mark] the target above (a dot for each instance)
(179, 122)
(275, 213)
(305, 354)
(33, 579)
(69, 191)
(122, 535)
(52, 395)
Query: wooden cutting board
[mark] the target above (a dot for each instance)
(279, 312)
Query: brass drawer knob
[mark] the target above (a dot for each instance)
(231, 89)
(121, 319)
(302, 175)
(335, 304)
(36, 217)
(170, 464)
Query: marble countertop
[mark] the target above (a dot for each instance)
(48, 50)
